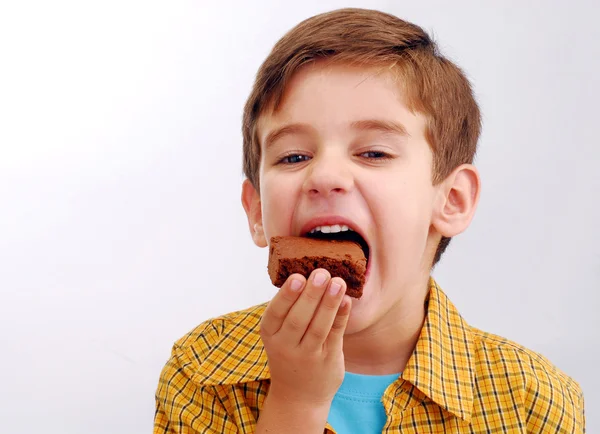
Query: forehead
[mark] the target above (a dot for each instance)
(331, 96)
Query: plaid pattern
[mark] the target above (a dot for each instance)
(458, 380)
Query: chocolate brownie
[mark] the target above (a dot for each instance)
(345, 259)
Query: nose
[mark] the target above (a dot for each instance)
(328, 175)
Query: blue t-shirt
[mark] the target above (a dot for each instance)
(357, 406)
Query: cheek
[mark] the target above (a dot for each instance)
(277, 193)
(278, 202)
(404, 210)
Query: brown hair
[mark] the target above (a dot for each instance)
(433, 85)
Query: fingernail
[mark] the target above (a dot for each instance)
(334, 288)
(296, 285)
(319, 278)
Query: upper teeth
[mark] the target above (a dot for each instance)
(331, 229)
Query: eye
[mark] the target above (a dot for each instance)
(375, 155)
(294, 159)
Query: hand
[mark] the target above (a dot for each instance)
(302, 330)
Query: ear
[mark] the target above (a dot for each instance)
(252, 206)
(457, 200)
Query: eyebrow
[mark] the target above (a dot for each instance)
(287, 130)
(378, 125)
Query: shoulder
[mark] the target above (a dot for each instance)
(224, 349)
(206, 335)
(495, 349)
(221, 351)
(545, 390)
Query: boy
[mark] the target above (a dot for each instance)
(356, 120)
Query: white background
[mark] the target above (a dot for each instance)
(120, 173)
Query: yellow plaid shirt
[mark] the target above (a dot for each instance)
(458, 380)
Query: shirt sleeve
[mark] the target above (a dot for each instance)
(183, 407)
(579, 411)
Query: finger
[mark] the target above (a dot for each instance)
(320, 326)
(301, 313)
(335, 340)
(280, 305)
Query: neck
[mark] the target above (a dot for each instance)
(385, 347)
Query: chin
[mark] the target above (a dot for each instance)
(355, 325)
(364, 310)
(360, 320)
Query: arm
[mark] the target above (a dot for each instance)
(302, 331)
(280, 416)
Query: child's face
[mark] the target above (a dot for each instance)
(340, 160)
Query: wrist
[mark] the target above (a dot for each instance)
(292, 414)
(292, 399)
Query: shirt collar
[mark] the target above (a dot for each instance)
(441, 366)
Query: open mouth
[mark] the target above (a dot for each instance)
(340, 233)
